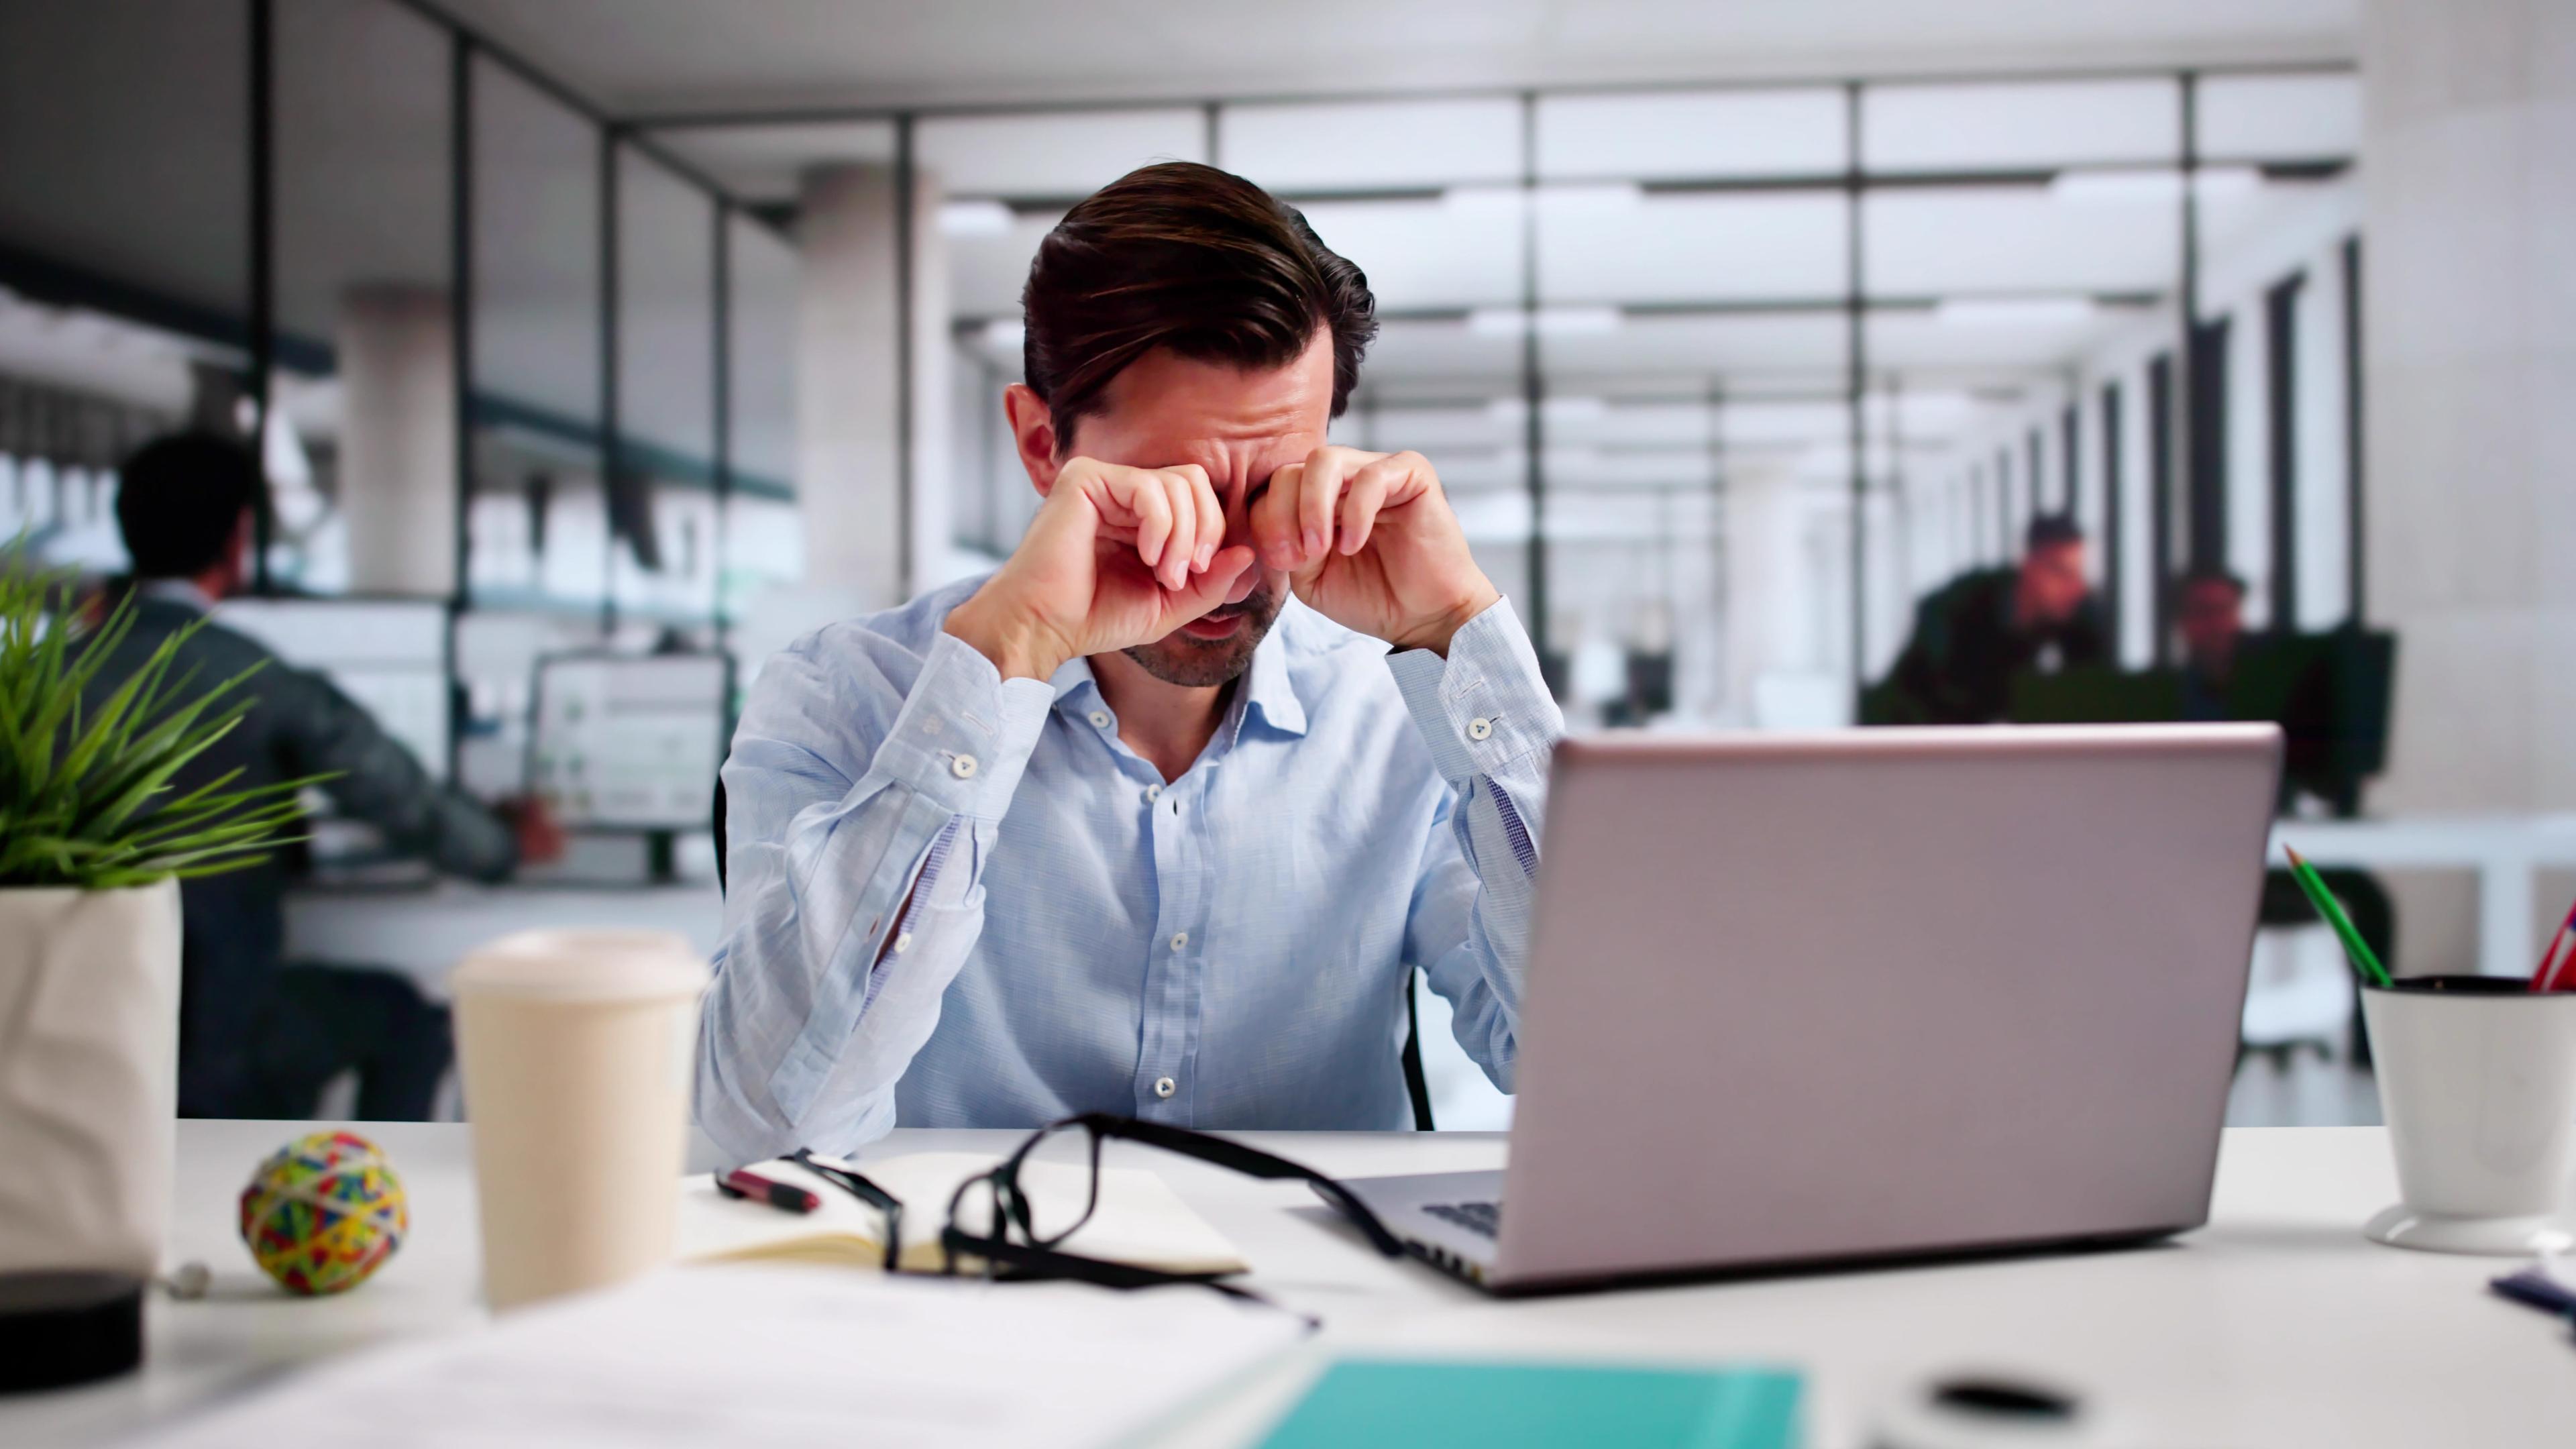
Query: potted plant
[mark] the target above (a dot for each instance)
(94, 836)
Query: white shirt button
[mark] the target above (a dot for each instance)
(1153, 793)
(963, 767)
(1479, 729)
(930, 726)
(1180, 939)
(1165, 1086)
(902, 942)
(1100, 719)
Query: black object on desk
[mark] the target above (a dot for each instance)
(2535, 1287)
(59, 1329)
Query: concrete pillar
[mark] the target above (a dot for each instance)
(397, 351)
(851, 488)
(2469, 325)
(1775, 668)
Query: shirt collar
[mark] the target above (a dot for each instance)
(1271, 691)
(183, 592)
(1267, 686)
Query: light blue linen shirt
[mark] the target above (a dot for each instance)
(1227, 951)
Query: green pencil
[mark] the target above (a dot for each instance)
(2365, 962)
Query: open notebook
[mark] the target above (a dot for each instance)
(1139, 1220)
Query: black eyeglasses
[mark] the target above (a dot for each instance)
(1014, 1244)
(850, 1180)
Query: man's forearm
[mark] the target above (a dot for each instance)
(1491, 727)
(834, 953)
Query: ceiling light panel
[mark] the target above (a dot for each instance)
(1784, 132)
(1378, 144)
(1802, 349)
(768, 163)
(1067, 154)
(1982, 241)
(1445, 354)
(1693, 248)
(986, 273)
(2280, 117)
(1425, 254)
(2019, 124)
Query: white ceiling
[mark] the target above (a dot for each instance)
(670, 55)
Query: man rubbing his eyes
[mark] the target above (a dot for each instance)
(1159, 817)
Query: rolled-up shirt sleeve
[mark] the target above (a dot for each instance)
(1491, 727)
(864, 790)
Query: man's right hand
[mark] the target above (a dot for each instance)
(1116, 557)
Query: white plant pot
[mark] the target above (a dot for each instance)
(89, 1073)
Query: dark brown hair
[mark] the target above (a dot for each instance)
(1191, 258)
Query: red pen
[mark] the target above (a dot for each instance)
(2558, 964)
(784, 1196)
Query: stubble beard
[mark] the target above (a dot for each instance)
(1176, 658)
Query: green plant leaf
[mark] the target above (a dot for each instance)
(90, 763)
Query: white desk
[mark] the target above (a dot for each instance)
(2276, 1325)
(2506, 852)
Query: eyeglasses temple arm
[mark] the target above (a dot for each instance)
(1250, 1161)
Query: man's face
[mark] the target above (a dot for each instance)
(2052, 582)
(2212, 618)
(1241, 427)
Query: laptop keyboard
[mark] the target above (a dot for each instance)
(1475, 1217)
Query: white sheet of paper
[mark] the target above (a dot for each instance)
(748, 1355)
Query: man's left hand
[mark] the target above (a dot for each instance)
(1369, 542)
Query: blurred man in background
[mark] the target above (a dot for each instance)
(2209, 612)
(256, 1039)
(1979, 630)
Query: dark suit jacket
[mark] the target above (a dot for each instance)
(1959, 665)
(234, 928)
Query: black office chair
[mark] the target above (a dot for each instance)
(1416, 1086)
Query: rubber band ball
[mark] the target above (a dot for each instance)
(324, 1212)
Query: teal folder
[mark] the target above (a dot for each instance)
(1429, 1404)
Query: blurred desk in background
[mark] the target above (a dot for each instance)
(421, 932)
(2507, 853)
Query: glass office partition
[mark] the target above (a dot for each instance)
(762, 546)
(148, 201)
(662, 563)
(366, 377)
(537, 519)
(124, 251)
(2276, 201)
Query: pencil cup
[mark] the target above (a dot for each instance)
(2477, 1079)
(577, 1051)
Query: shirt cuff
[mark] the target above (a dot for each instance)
(1484, 706)
(965, 734)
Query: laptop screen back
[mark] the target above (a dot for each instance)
(1795, 999)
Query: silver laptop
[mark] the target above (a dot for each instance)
(1800, 1000)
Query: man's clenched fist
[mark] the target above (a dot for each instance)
(1368, 541)
(1116, 557)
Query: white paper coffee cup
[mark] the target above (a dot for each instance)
(576, 1049)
